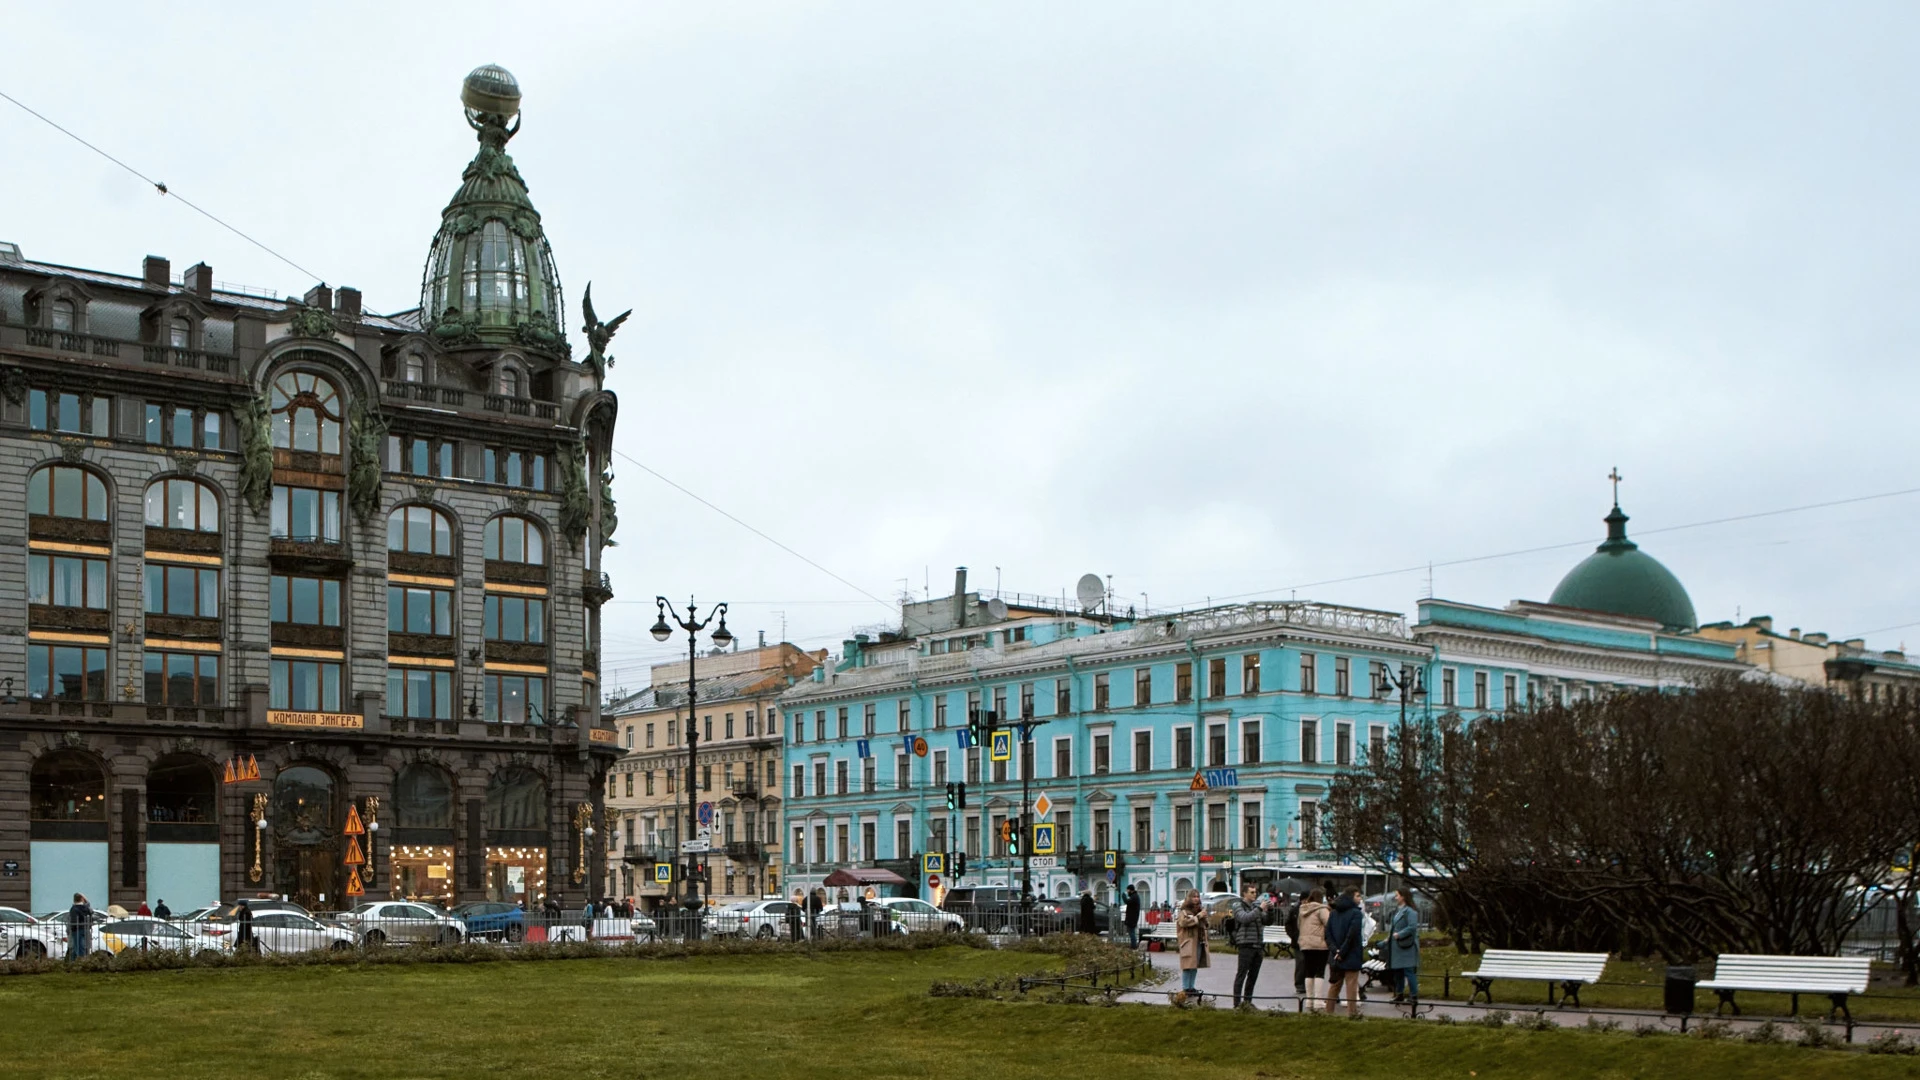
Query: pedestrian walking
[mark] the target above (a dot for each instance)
(1403, 948)
(1310, 974)
(1291, 922)
(1245, 918)
(815, 900)
(79, 928)
(1087, 923)
(793, 922)
(243, 933)
(1190, 930)
(1133, 916)
(162, 911)
(143, 909)
(1346, 950)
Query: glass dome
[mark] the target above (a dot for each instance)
(491, 276)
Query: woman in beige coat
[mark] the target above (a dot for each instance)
(1313, 946)
(1190, 927)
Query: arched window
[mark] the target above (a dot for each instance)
(67, 491)
(415, 370)
(180, 791)
(495, 279)
(423, 798)
(180, 333)
(510, 382)
(516, 799)
(419, 529)
(306, 413)
(61, 317)
(68, 786)
(515, 539)
(178, 503)
(301, 809)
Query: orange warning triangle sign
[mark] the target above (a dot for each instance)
(354, 828)
(253, 767)
(230, 777)
(1199, 782)
(353, 886)
(354, 856)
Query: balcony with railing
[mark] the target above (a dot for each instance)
(746, 851)
(458, 398)
(596, 586)
(191, 359)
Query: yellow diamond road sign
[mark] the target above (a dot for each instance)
(1041, 805)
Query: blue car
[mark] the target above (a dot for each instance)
(492, 919)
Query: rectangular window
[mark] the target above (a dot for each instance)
(1102, 829)
(304, 685)
(1217, 838)
(303, 600)
(840, 777)
(1448, 676)
(516, 699)
(902, 838)
(999, 842)
(1309, 741)
(706, 778)
(510, 618)
(1309, 676)
(902, 772)
(182, 678)
(306, 514)
(419, 457)
(936, 836)
(1102, 753)
(1183, 748)
(1249, 742)
(180, 428)
(1376, 742)
(210, 431)
(1479, 689)
(151, 429)
(1101, 692)
(1183, 681)
(1342, 677)
(869, 724)
(1216, 746)
(798, 788)
(415, 610)
(1063, 757)
(1343, 743)
(840, 835)
(74, 581)
(1309, 825)
(1143, 686)
(729, 727)
(649, 736)
(1250, 673)
(1510, 687)
(1062, 697)
(1142, 829)
(868, 781)
(820, 726)
(903, 716)
(1143, 751)
(940, 710)
(1250, 826)
(1000, 703)
(1183, 827)
(999, 771)
(1026, 701)
(1217, 677)
(972, 843)
(842, 717)
(673, 733)
(66, 673)
(443, 461)
(649, 781)
(422, 693)
(973, 766)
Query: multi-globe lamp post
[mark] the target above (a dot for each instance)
(662, 630)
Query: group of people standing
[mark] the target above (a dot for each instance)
(1330, 937)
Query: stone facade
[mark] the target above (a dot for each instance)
(154, 636)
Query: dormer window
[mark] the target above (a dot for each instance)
(415, 370)
(180, 333)
(62, 315)
(510, 382)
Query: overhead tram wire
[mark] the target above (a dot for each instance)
(888, 604)
(1570, 544)
(159, 186)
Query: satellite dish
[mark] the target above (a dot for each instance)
(1091, 591)
(996, 609)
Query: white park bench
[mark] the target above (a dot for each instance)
(1275, 941)
(1164, 932)
(1834, 976)
(1567, 970)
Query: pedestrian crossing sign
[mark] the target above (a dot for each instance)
(1002, 749)
(663, 873)
(934, 862)
(1043, 838)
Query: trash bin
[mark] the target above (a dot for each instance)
(1679, 995)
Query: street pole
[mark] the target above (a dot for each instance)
(1026, 842)
(661, 631)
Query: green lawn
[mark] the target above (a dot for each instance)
(840, 1016)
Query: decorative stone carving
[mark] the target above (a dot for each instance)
(576, 503)
(609, 515)
(518, 503)
(256, 454)
(186, 461)
(73, 451)
(13, 385)
(367, 430)
(311, 322)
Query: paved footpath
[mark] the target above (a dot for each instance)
(1274, 992)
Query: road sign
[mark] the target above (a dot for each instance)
(933, 881)
(689, 847)
(919, 747)
(1043, 838)
(663, 873)
(1041, 805)
(934, 862)
(1045, 862)
(353, 886)
(862, 749)
(1110, 859)
(1219, 778)
(1002, 749)
(354, 828)
(354, 857)
(1113, 876)
(706, 813)
(1199, 782)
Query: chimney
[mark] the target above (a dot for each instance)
(1815, 639)
(349, 299)
(199, 280)
(157, 272)
(319, 297)
(1794, 633)
(960, 596)
(1856, 643)
(1764, 622)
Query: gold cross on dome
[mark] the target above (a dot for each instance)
(1616, 478)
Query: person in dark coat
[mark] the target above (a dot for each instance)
(243, 936)
(815, 901)
(1133, 916)
(1403, 947)
(1087, 923)
(79, 928)
(1346, 950)
(1244, 920)
(162, 911)
(1291, 920)
(793, 922)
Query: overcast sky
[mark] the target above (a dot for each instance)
(1217, 299)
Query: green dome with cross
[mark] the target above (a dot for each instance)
(1620, 579)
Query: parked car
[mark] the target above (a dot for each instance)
(751, 918)
(120, 935)
(992, 908)
(1054, 916)
(400, 922)
(492, 919)
(291, 932)
(24, 937)
(910, 916)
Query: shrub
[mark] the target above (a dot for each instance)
(1891, 1042)
(1538, 1021)
(1815, 1035)
(1713, 1030)
(1597, 1023)
(1766, 1032)
(1495, 1018)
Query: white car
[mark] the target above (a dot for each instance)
(401, 922)
(24, 937)
(291, 932)
(150, 933)
(910, 916)
(751, 918)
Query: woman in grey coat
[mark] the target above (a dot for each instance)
(1403, 947)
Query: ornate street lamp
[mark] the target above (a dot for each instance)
(259, 816)
(583, 832)
(662, 630)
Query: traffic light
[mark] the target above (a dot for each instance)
(960, 790)
(952, 802)
(958, 864)
(1014, 829)
(1006, 830)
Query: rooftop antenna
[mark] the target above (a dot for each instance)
(783, 624)
(1429, 579)
(926, 583)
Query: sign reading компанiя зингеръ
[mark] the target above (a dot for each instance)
(286, 718)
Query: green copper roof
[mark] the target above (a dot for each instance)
(1620, 579)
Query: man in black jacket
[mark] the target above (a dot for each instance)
(1346, 950)
(1133, 916)
(1245, 920)
(79, 928)
(1292, 923)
